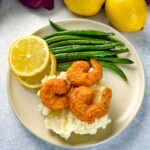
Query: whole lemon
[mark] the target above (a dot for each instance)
(127, 15)
(84, 7)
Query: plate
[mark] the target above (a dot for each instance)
(126, 100)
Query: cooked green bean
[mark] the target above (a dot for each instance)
(67, 37)
(89, 33)
(63, 67)
(56, 26)
(112, 40)
(63, 57)
(80, 42)
(117, 60)
(114, 60)
(80, 48)
(114, 68)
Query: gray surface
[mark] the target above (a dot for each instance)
(16, 21)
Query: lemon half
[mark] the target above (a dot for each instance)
(28, 56)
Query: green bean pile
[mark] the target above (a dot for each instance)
(73, 45)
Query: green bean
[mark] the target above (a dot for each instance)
(80, 42)
(117, 60)
(63, 67)
(112, 40)
(67, 37)
(80, 48)
(89, 33)
(87, 55)
(114, 68)
(56, 26)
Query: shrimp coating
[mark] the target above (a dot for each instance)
(78, 74)
(80, 102)
(54, 94)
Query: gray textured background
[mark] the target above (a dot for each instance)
(16, 21)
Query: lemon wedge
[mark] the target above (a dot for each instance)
(35, 81)
(28, 56)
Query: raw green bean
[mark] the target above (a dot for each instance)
(56, 26)
(89, 33)
(80, 42)
(80, 48)
(87, 55)
(64, 67)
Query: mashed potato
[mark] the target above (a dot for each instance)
(64, 122)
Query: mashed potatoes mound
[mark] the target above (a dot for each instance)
(64, 122)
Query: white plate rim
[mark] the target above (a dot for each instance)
(124, 126)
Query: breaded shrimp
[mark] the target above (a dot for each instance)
(53, 94)
(78, 74)
(80, 102)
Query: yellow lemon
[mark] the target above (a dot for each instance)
(127, 15)
(84, 7)
(35, 81)
(28, 56)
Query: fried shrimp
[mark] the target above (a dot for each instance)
(80, 102)
(54, 94)
(78, 74)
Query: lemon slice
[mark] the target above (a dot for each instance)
(35, 81)
(28, 56)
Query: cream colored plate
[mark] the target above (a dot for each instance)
(127, 97)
